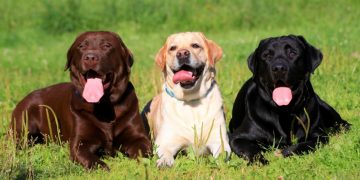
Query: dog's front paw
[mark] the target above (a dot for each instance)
(103, 166)
(142, 150)
(289, 151)
(258, 159)
(92, 165)
(165, 162)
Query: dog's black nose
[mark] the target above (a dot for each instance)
(183, 54)
(279, 68)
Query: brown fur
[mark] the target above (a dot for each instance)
(92, 129)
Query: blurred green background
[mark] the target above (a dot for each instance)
(35, 37)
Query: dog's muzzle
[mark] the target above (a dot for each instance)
(183, 56)
(279, 70)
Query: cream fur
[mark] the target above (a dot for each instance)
(174, 120)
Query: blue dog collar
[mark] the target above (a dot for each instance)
(169, 92)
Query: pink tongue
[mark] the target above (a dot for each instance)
(182, 76)
(93, 90)
(282, 96)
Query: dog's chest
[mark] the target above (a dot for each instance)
(289, 128)
(191, 116)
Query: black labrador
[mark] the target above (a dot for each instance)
(278, 105)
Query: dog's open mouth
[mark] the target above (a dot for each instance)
(94, 85)
(281, 94)
(187, 76)
(91, 74)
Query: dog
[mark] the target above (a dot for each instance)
(189, 111)
(97, 112)
(278, 105)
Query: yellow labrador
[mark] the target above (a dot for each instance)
(189, 111)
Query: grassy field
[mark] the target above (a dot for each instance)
(35, 36)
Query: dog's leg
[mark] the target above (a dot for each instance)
(305, 147)
(137, 145)
(166, 156)
(219, 142)
(249, 150)
(331, 118)
(133, 140)
(167, 147)
(217, 148)
(25, 126)
(83, 152)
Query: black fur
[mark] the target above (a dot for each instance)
(259, 123)
(145, 111)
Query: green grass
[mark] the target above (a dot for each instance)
(35, 36)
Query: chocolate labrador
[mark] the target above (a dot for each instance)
(97, 113)
(278, 105)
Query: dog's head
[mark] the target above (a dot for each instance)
(188, 63)
(282, 65)
(100, 55)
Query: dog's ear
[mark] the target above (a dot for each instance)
(69, 56)
(251, 62)
(130, 59)
(214, 52)
(313, 55)
(72, 51)
(252, 58)
(160, 58)
(125, 52)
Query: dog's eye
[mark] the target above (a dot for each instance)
(267, 54)
(83, 44)
(172, 48)
(292, 53)
(107, 45)
(195, 46)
